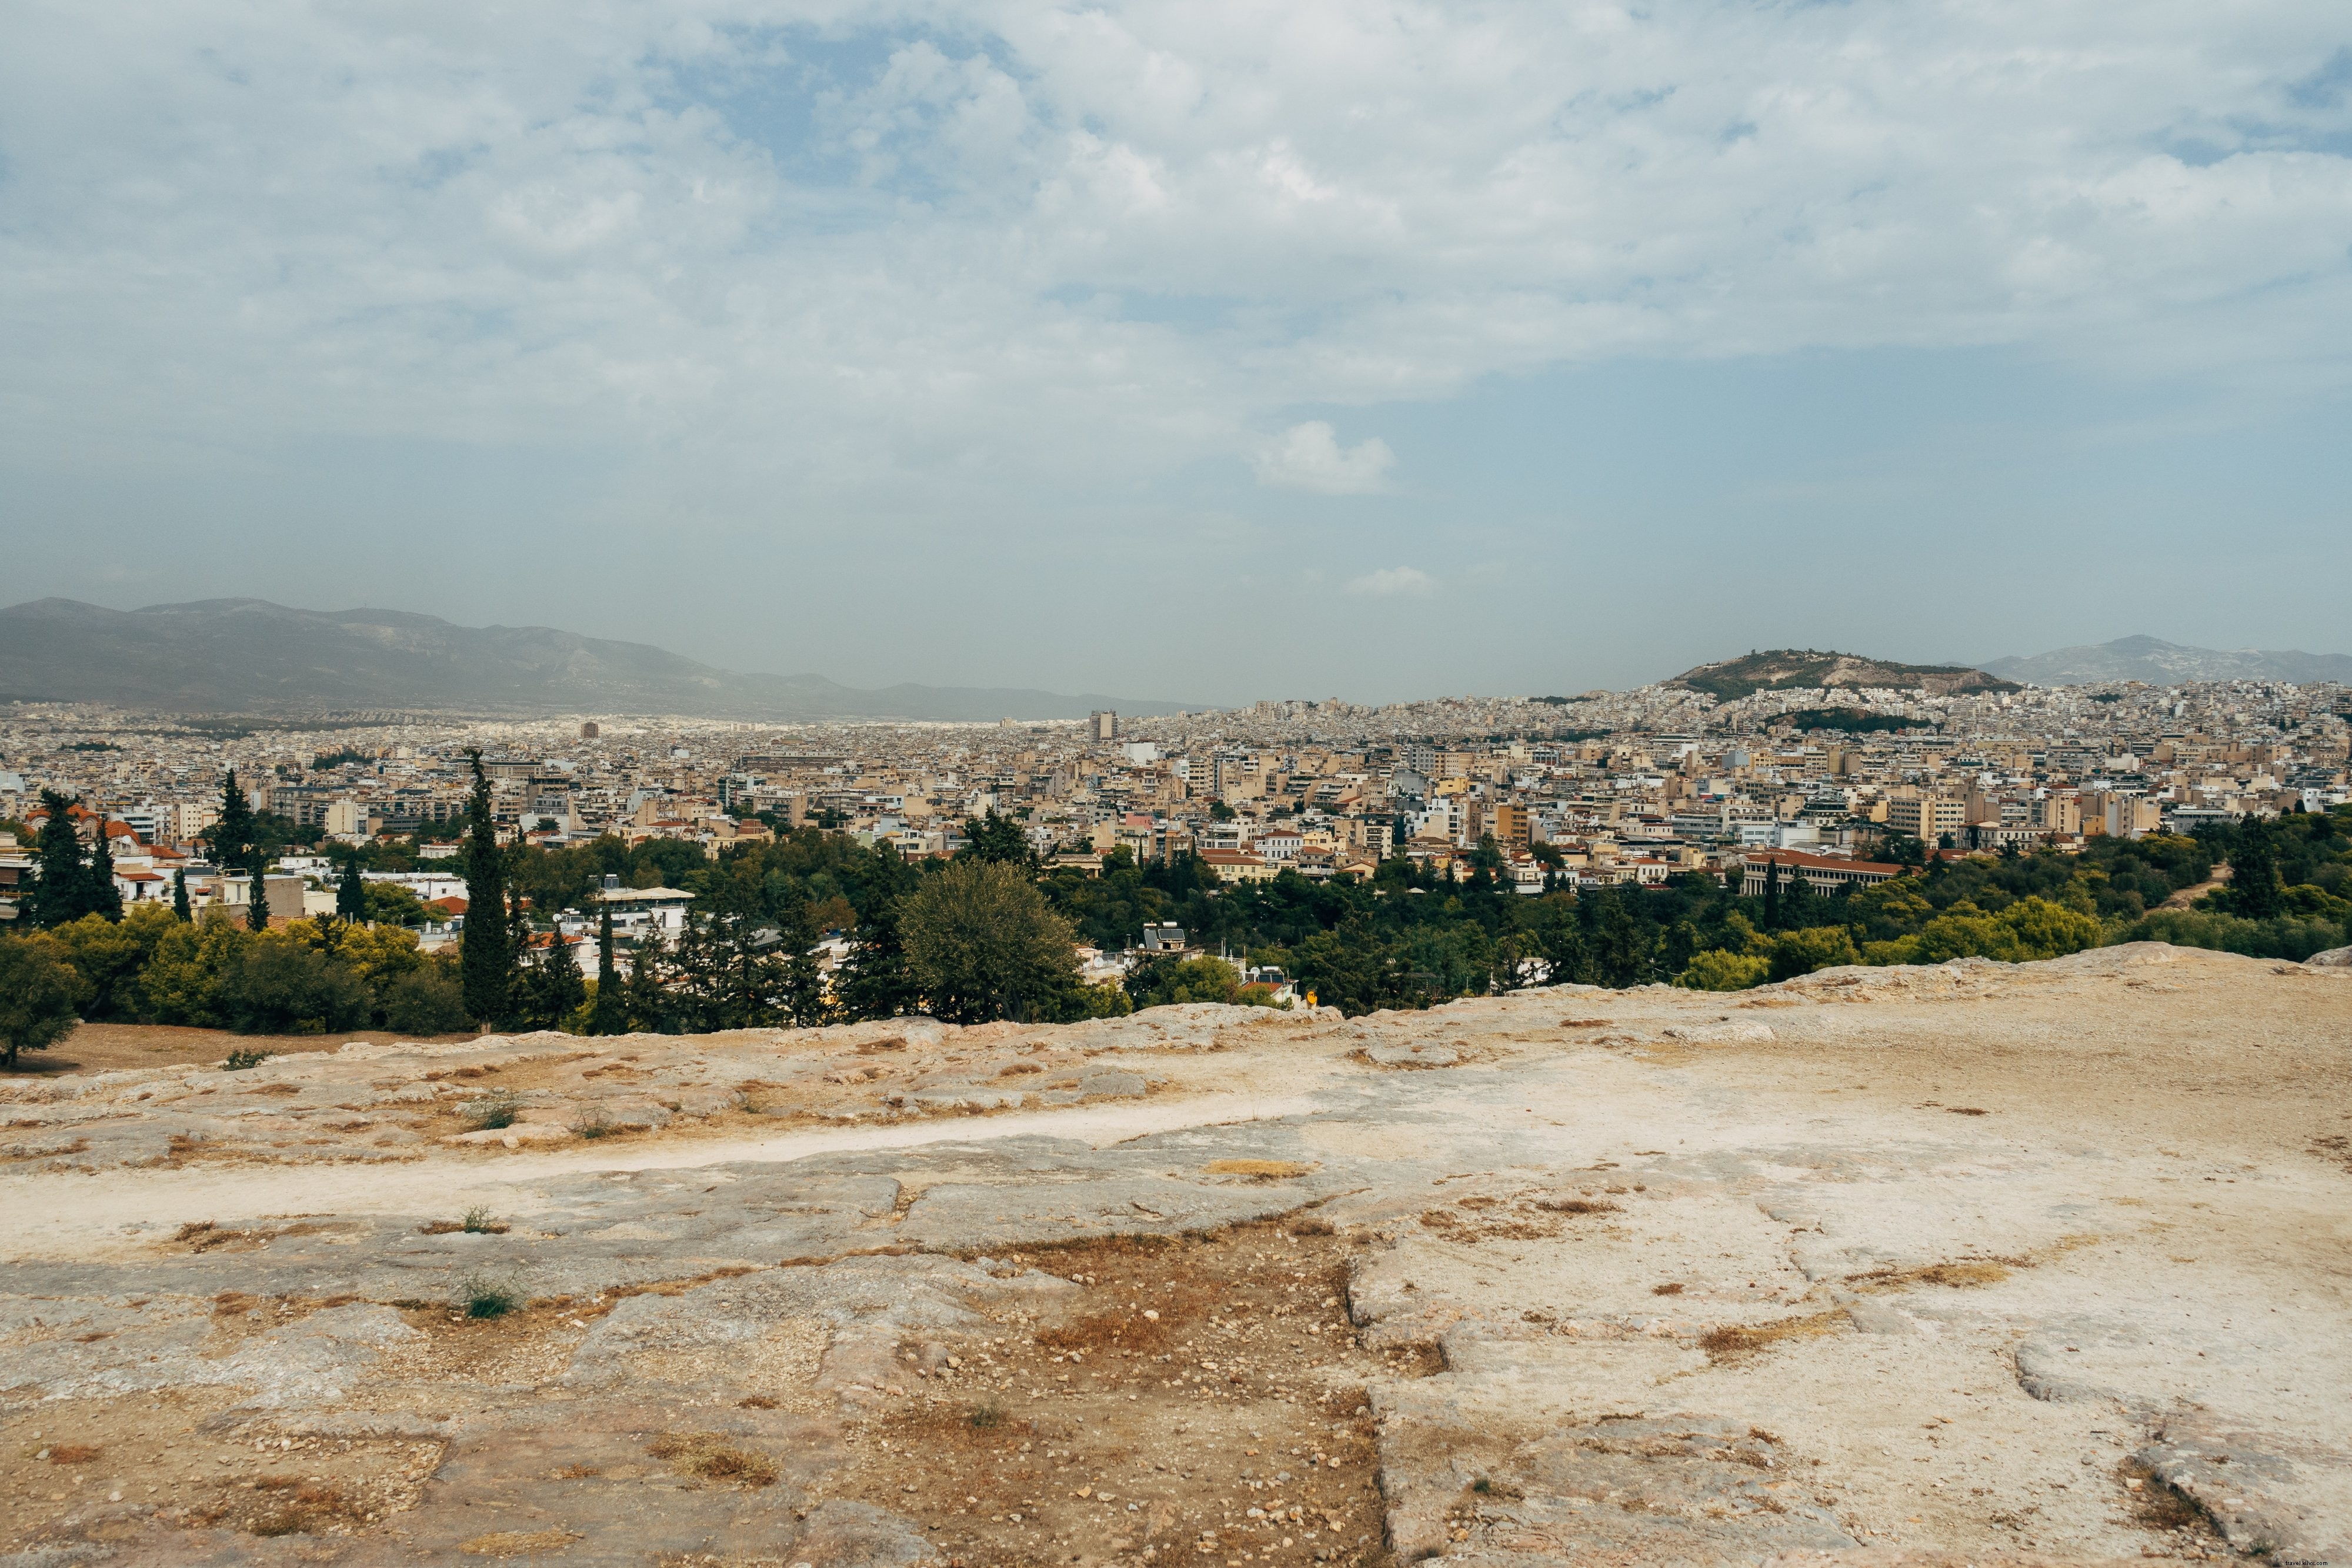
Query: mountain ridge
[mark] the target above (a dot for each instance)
(254, 655)
(2159, 663)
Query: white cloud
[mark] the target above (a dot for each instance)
(883, 255)
(1309, 457)
(1394, 582)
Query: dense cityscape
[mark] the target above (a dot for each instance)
(1253, 835)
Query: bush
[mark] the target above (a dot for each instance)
(488, 1112)
(1796, 952)
(1718, 970)
(483, 1295)
(37, 999)
(279, 987)
(2284, 937)
(425, 1002)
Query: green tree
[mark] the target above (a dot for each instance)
(180, 906)
(611, 1014)
(874, 981)
(37, 999)
(62, 895)
(1801, 952)
(486, 947)
(257, 884)
(552, 989)
(351, 893)
(998, 840)
(277, 985)
(2255, 892)
(1719, 969)
(105, 899)
(232, 833)
(983, 944)
(650, 1010)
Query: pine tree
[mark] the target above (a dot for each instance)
(558, 988)
(351, 893)
(99, 890)
(180, 895)
(62, 896)
(650, 1005)
(485, 952)
(611, 1015)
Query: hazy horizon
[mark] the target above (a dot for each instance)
(1202, 353)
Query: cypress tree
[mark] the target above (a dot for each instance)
(485, 952)
(351, 893)
(63, 894)
(232, 836)
(256, 903)
(611, 1015)
(180, 895)
(1771, 892)
(99, 890)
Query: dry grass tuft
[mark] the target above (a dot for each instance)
(1674, 1288)
(1963, 1275)
(1735, 1340)
(73, 1453)
(1266, 1168)
(1967, 1110)
(713, 1457)
(519, 1542)
(1576, 1206)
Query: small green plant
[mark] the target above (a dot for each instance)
(595, 1125)
(481, 1295)
(986, 1415)
(239, 1060)
(478, 1222)
(488, 1112)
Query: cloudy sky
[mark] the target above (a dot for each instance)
(1201, 351)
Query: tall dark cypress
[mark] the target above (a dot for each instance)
(351, 893)
(180, 895)
(99, 890)
(63, 895)
(232, 834)
(1771, 892)
(611, 1015)
(485, 952)
(257, 905)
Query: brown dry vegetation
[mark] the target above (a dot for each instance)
(1178, 1415)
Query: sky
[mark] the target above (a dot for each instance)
(1194, 351)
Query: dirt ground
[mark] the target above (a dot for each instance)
(111, 1047)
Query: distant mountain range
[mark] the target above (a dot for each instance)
(1782, 668)
(248, 655)
(2160, 663)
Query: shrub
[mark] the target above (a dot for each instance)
(1796, 952)
(488, 1112)
(424, 1003)
(2284, 937)
(484, 1296)
(1718, 970)
(240, 1061)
